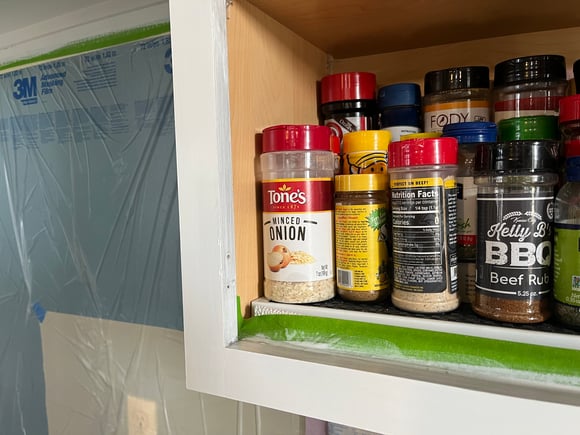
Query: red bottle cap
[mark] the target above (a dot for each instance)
(348, 86)
(422, 152)
(570, 108)
(572, 148)
(297, 138)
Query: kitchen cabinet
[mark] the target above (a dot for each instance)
(237, 69)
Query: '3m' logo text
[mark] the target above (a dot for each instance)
(26, 90)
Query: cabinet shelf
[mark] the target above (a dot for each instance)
(484, 357)
(461, 321)
(346, 28)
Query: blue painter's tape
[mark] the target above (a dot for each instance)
(39, 311)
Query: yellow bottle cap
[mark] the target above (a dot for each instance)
(366, 140)
(360, 182)
(425, 135)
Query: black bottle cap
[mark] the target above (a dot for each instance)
(463, 77)
(517, 157)
(576, 70)
(547, 67)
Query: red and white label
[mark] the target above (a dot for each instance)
(297, 226)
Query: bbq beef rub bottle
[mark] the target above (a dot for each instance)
(515, 213)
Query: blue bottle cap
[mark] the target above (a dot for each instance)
(399, 94)
(471, 132)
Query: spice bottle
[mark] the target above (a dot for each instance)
(453, 95)
(361, 237)
(567, 219)
(400, 109)
(515, 200)
(424, 226)
(468, 135)
(567, 234)
(529, 86)
(297, 171)
(366, 152)
(348, 102)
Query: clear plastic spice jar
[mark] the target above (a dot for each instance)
(459, 94)
(468, 135)
(567, 218)
(361, 234)
(424, 224)
(567, 234)
(297, 172)
(529, 86)
(515, 211)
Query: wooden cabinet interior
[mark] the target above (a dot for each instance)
(273, 71)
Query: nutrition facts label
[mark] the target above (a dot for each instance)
(424, 215)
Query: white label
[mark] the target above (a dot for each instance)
(298, 247)
(399, 130)
(435, 120)
(466, 212)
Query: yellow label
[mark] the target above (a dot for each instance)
(416, 182)
(462, 104)
(361, 247)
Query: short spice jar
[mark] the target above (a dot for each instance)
(515, 211)
(348, 102)
(399, 107)
(529, 86)
(361, 235)
(424, 224)
(459, 94)
(297, 173)
(365, 152)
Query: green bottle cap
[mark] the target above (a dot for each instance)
(540, 127)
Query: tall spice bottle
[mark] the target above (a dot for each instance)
(515, 210)
(424, 224)
(297, 172)
(468, 135)
(567, 219)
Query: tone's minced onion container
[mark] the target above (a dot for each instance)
(297, 170)
(424, 224)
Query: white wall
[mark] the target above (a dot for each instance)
(108, 377)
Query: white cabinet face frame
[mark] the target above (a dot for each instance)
(382, 396)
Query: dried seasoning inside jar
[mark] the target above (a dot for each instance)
(362, 237)
(515, 207)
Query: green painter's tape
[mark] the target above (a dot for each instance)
(406, 344)
(93, 44)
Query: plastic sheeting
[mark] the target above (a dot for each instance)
(91, 320)
(88, 215)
